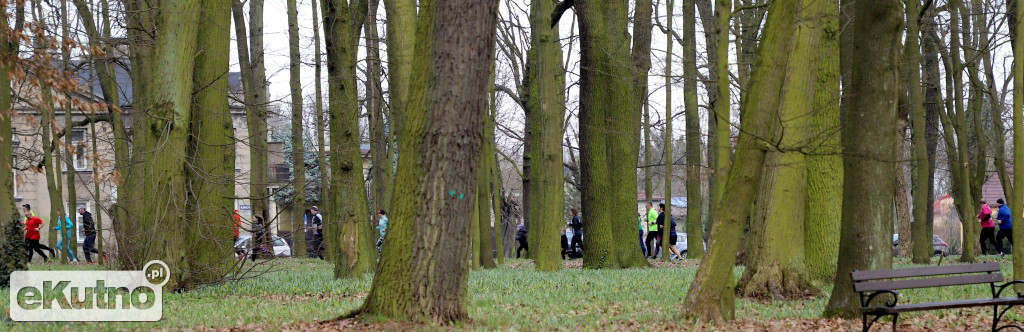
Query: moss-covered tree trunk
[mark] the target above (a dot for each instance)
(920, 231)
(298, 233)
(391, 295)
(8, 48)
(210, 167)
(141, 27)
(723, 106)
(643, 28)
(383, 162)
(670, 161)
(869, 143)
(485, 248)
(1018, 136)
(825, 162)
(256, 115)
(933, 104)
(493, 180)
(957, 115)
(778, 268)
(545, 99)
(46, 125)
(161, 134)
(348, 219)
(694, 200)
(436, 279)
(711, 296)
(108, 87)
(609, 136)
(318, 108)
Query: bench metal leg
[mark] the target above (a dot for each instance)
(867, 324)
(997, 315)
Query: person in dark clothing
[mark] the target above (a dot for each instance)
(1005, 220)
(565, 244)
(577, 231)
(521, 238)
(672, 237)
(89, 228)
(316, 225)
(257, 236)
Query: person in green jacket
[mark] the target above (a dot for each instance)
(652, 231)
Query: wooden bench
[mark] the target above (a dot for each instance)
(871, 284)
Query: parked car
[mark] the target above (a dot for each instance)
(281, 248)
(939, 247)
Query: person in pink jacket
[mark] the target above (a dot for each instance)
(988, 229)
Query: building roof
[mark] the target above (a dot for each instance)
(122, 74)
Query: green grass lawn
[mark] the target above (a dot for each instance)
(512, 297)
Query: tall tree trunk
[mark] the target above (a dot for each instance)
(961, 170)
(383, 155)
(160, 141)
(391, 296)
(348, 236)
(825, 162)
(869, 131)
(933, 105)
(141, 29)
(108, 87)
(546, 106)
(256, 117)
(46, 126)
(298, 233)
(641, 53)
(778, 268)
(452, 122)
(318, 108)
(694, 205)
(70, 237)
(1018, 135)
(9, 48)
(708, 22)
(494, 174)
(210, 168)
(901, 200)
(670, 162)
(723, 108)
(711, 296)
(609, 136)
(920, 230)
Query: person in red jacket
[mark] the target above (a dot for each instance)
(32, 238)
(238, 223)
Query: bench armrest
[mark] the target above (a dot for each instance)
(999, 288)
(865, 300)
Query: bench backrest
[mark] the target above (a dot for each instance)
(952, 275)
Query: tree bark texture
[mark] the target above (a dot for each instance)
(869, 129)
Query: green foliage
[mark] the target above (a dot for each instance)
(312, 162)
(12, 252)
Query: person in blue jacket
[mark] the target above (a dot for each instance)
(66, 236)
(1005, 220)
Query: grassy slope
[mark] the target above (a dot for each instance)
(512, 297)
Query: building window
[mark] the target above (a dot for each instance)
(282, 172)
(81, 160)
(78, 220)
